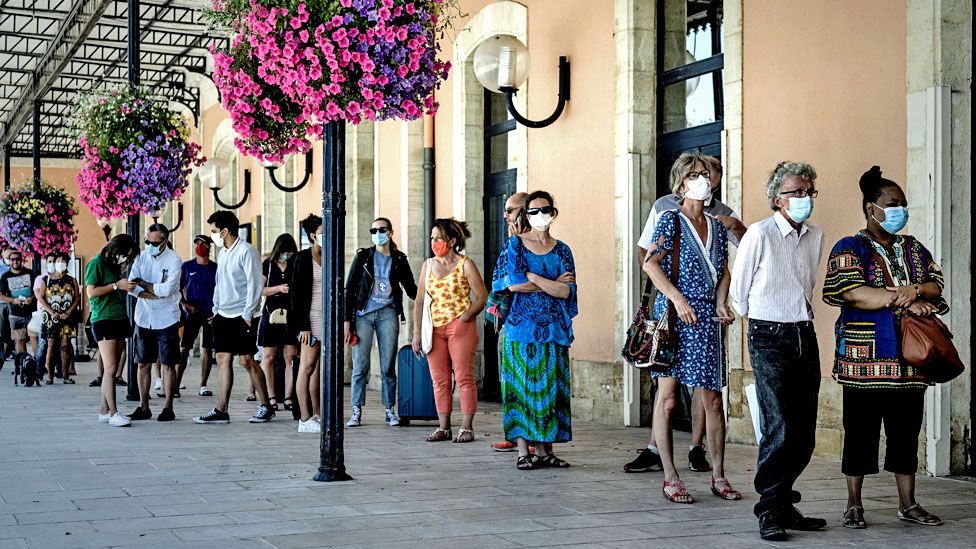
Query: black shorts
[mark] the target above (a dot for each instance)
(900, 410)
(192, 325)
(234, 336)
(115, 329)
(162, 345)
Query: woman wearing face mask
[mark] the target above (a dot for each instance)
(876, 277)
(374, 304)
(58, 298)
(276, 329)
(305, 289)
(700, 302)
(541, 274)
(106, 290)
(457, 295)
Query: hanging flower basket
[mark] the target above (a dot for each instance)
(137, 154)
(290, 68)
(38, 221)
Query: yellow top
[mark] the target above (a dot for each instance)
(449, 296)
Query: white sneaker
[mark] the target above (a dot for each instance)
(204, 391)
(310, 426)
(391, 418)
(103, 418)
(182, 386)
(159, 384)
(357, 415)
(118, 420)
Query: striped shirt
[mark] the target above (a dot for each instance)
(775, 270)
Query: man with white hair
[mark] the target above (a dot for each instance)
(772, 284)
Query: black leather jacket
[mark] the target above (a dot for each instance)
(359, 283)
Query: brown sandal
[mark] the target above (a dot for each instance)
(464, 435)
(439, 435)
(916, 514)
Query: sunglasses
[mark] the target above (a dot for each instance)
(16, 258)
(381, 230)
(547, 210)
(510, 211)
(151, 243)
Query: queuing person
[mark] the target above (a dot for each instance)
(106, 290)
(515, 222)
(536, 387)
(648, 458)
(377, 279)
(198, 278)
(877, 277)
(42, 346)
(276, 331)
(59, 297)
(5, 341)
(700, 302)
(17, 289)
(156, 273)
(306, 305)
(772, 284)
(457, 296)
(236, 302)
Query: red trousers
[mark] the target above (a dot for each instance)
(453, 347)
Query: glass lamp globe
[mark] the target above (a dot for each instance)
(214, 173)
(266, 164)
(501, 63)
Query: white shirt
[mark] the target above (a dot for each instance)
(163, 272)
(239, 282)
(775, 270)
(670, 203)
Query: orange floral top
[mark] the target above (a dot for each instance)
(449, 296)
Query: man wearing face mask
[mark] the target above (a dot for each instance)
(17, 289)
(772, 284)
(236, 303)
(198, 278)
(156, 273)
(5, 342)
(702, 188)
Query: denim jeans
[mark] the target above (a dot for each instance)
(786, 363)
(386, 325)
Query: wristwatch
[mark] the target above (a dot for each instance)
(115, 286)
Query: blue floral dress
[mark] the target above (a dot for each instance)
(701, 358)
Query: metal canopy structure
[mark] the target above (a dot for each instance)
(52, 50)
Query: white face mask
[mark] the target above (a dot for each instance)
(699, 188)
(60, 267)
(318, 239)
(217, 239)
(50, 268)
(121, 259)
(540, 221)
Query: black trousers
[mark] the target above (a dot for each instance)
(901, 411)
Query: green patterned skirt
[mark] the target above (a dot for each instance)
(536, 391)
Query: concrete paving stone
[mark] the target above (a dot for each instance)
(238, 543)
(70, 495)
(449, 529)
(174, 488)
(118, 512)
(7, 520)
(294, 513)
(539, 509)
(265, 530)
(158, 538)
(494, 542)
(202, 508)
(393, 536)
(160, 523)
(414, 506)
(37, 506)
(14, 543)
(174, 500)
(669, 530)
(40, 530)
(596, 534)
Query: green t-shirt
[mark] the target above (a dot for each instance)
(110, 306)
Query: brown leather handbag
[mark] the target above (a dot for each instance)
(926, 342)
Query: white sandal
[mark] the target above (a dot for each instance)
(461, 432)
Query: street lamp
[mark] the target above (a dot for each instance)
(272, 166)
(501, 64)
(215, 173)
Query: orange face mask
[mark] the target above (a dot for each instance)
(440, 249)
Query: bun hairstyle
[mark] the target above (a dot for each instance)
(452, 228)
(872, 185)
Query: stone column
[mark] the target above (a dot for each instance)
(360, 154)
(939, 77)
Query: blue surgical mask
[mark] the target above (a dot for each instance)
(284, 257)
(800, 208)
(154, 250)
(896, 217)
(380, 239)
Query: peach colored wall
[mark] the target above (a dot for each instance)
(824, 83)
(389, 162)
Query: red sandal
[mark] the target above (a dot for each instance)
(680, 493)
(722, 489)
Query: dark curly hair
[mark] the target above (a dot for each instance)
(453, 229)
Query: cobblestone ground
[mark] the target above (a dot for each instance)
(66, 481)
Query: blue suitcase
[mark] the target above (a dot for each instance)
(416, 398)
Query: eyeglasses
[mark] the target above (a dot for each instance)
(547, 210)
(510, 211)
(800, 193)
(16, 258)
(148, 242)
(381, 230)
(694, 175)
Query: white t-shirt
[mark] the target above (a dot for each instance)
(670, 203)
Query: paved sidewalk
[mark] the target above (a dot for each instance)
(66, 481)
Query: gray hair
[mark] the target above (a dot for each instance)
(682, 165)
(783, 170)
(159, 228)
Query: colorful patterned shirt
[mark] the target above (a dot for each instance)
(449, 296)
(867, 353)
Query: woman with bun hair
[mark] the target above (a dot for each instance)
(457, 295)
(876, 277)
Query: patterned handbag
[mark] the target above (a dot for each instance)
(650, 343)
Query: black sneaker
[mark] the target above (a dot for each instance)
(139, 414)
(770, 527)
(97, 382)
(794, 520)
(121, 382)
(166, 415)
(215, 416)
(697, 461)
(647, 460)
(263, 415)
